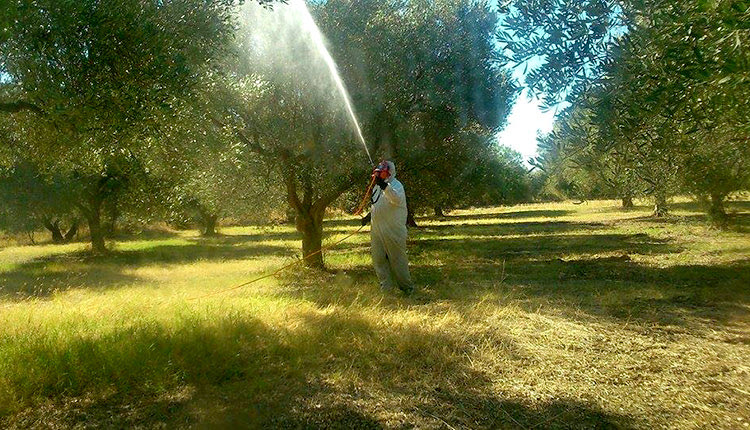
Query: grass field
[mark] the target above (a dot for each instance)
(534, 316)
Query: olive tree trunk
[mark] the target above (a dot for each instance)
(210, 225)
(91, 209)
(310, 224)
(310, 205)
(57, 233)
(54, 228)
(72, 231)
(96, 232)
(660, 204)
(716, 210)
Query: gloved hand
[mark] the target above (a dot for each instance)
(381, 182)
(366, 219)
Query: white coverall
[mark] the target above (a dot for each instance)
(388, 234)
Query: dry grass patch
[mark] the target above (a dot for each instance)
(539, 316)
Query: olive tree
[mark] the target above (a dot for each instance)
(90, 82)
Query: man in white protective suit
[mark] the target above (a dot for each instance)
(388, 232)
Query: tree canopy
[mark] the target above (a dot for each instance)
(182, 110)
(663, 84)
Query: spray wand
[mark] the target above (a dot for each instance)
(364, 199)
(383, 166)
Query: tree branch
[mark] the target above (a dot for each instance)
(18, 106)
(288, 172)
(345, 184)
(253, 145)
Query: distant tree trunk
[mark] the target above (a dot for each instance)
(291, 216)
(93, 217)
(410, 222)
(72, 231)
(57, 234)
(439, 211)
(208, 220)
(91, 210)
(627, 202)
(209, 223)
(92, 205)
(54, 228)
(660, 205)
(113, 213)
(310, 224)
(716, 210)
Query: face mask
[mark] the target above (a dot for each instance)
(382, 170)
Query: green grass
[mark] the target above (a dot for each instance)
(534, 316)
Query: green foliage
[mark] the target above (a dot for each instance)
(32, 199)
(92, 84)
(158, 109)
(571, 37)
(581, 164)
(669, 98)
(431, 107)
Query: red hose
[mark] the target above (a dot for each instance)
(364, 199)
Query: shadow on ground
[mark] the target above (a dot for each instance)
(506, 229)
(736, 222)
(519, 214)
(584, 274)
(241, 373)
(43, 276)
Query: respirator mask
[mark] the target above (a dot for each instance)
(382, 167)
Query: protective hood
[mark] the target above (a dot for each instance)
(391, 170)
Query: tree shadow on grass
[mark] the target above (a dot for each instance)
(483, 260)
(286, 236)
(694, 297)
(519, 214)
(736, 222)
(240, 372)
(461, 410)
(544, 246)
(481, 411)
(459, 220)
(730, 206)
(147, 234)
(582, 276)
(508, 229)
(214, 250)
(43, 276)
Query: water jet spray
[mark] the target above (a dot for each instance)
(317, 39)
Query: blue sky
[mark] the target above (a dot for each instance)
(525, 121)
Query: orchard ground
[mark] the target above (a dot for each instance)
(534, 316)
